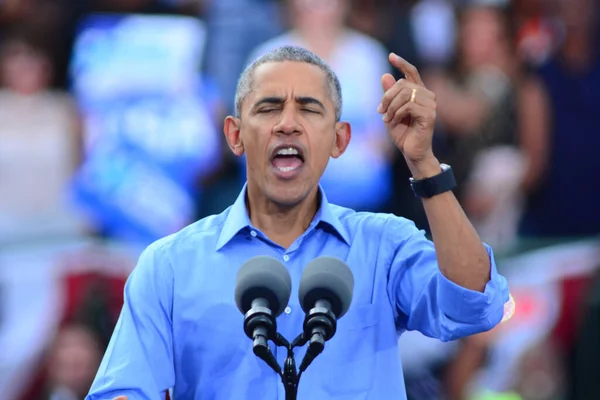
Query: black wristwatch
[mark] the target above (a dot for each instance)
(434, 185)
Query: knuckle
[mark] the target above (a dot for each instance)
(406, 91)
(398, 116)
(388, 97)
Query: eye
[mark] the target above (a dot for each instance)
(266, 110)
(309, 110)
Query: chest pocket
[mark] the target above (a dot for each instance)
(351, 353)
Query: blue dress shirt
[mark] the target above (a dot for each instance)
(180, 328)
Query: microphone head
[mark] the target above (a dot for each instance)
(264, 277)
(327, 278)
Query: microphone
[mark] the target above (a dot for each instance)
(325, 295)
(262, 291)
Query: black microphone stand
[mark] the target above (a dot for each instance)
(290, 376)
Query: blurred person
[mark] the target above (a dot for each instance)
(235, 29)
(539, 371)
(73, 326)
(45, 16)
(73, 360)
(538, 32)
(423, 30)
(13, 10)
(180, 328)
(359, 61)
(542, 373)
(433, 26)
(468, 359)
(40, 13)
(564, 164)
(486, 104)
(39, 145)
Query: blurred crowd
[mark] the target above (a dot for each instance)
(110, 138)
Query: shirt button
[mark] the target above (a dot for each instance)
(253, 233)
(286, 257)
(288, 310)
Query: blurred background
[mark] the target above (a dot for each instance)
(110, 137)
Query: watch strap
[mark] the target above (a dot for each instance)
(437, 184)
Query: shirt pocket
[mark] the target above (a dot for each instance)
(351, 353)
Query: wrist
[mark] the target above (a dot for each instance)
(425, 168)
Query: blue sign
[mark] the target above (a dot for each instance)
(149, 135)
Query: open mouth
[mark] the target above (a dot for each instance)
(287, 158)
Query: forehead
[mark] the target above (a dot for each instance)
(480, 16)
(290, 78)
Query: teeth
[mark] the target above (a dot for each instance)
(290, 151)
(286, 169)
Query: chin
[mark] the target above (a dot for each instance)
(288, 195)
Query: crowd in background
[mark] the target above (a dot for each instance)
(94, 166)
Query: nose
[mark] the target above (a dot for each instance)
(288, 123)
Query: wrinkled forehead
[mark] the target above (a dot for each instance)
(289, 80)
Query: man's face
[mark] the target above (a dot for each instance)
(288, 131)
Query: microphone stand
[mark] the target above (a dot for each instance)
(290, 376)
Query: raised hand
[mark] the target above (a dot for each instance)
(409, 111)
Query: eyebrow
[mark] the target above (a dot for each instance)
(302, 100)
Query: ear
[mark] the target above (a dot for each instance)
(343, 133)
(232, 131)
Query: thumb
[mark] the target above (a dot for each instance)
(120, 398)
(387, 81)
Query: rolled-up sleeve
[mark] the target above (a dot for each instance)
(138, 362)
(426, 301)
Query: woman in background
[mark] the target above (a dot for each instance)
(39, 145)
(488, 107)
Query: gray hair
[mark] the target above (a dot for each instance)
(289, 53)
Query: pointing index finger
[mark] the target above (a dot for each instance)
(410, 71)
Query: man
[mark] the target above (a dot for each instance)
(180, 327)
(359, 61)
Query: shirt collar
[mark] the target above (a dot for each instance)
(237, 219)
